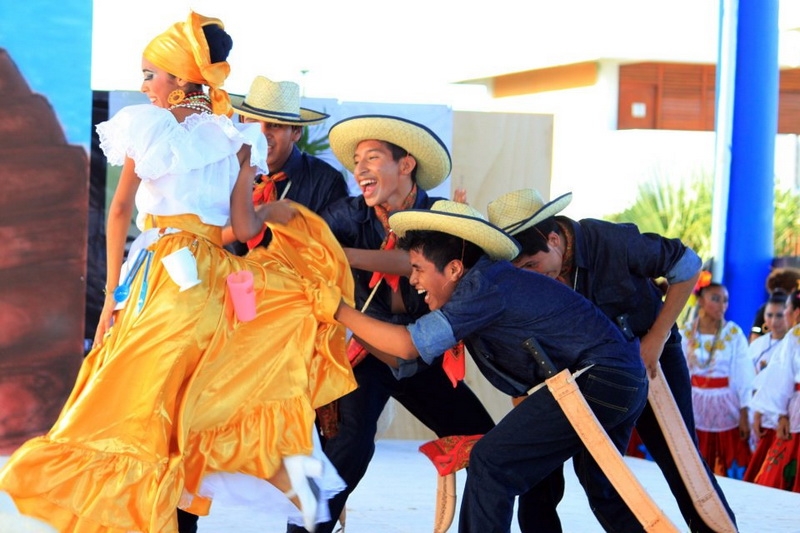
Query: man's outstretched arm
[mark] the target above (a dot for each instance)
(377, 336)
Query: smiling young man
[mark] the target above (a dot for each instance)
(394, 161)
(614, 265)
(460, 263)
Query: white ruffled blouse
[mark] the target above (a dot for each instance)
(187, 167)
(719, 356)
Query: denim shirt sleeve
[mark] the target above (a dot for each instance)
(649, 255)
(686, 267)
(407, 368)
(432, 335)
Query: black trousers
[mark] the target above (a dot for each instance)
(187, 522)
(428, 395)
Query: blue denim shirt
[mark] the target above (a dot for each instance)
(311, 181)
(499, 306)
(616, 265)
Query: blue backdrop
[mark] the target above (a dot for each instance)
(51, 43)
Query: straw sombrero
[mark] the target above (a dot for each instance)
(519, 210)
(461, 220)
(433, 158)
(277, 102)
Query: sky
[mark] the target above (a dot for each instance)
(411, 51)
(414, 52)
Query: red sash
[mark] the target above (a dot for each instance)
(702, 382)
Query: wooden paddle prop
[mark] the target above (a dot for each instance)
(569, 397)
(687, 458)
(450, 454)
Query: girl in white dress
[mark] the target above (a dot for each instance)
(761, 350)
(779, 396)
(721, 375)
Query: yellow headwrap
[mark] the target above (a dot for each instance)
(182, 51)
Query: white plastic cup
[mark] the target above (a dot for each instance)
(243, 296)
(182, 268)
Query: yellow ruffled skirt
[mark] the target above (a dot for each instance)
(181, 388)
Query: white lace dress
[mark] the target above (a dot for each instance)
(778, 394)
(721, 356)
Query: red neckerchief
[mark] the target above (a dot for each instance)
(454, 364)
(389, 242)
(264, 192)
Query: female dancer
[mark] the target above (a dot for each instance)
(778, 395)
(178, 385)
(761, 350)
(721, 375)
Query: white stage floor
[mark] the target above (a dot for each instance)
(397, 496)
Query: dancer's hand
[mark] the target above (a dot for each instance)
(758, 431)
(460, 195)
(280, 212)
(650, 348)
(782, 431)
(744, 425)
(106, 320)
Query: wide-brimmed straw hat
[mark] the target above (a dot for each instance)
(432, 156)
(275, 101)
(461, 220)
(517, 211)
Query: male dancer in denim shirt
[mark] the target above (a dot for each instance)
(394, 161)
(613, 265)
(459, 261)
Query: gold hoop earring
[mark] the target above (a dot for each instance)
(176, 97)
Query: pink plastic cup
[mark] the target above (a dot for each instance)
(240, 287)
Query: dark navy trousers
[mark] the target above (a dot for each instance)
(535, 439)
(537, 508)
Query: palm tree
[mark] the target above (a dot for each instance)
(673, 210)
(314, 146)
(683, 210)
(787, 222)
